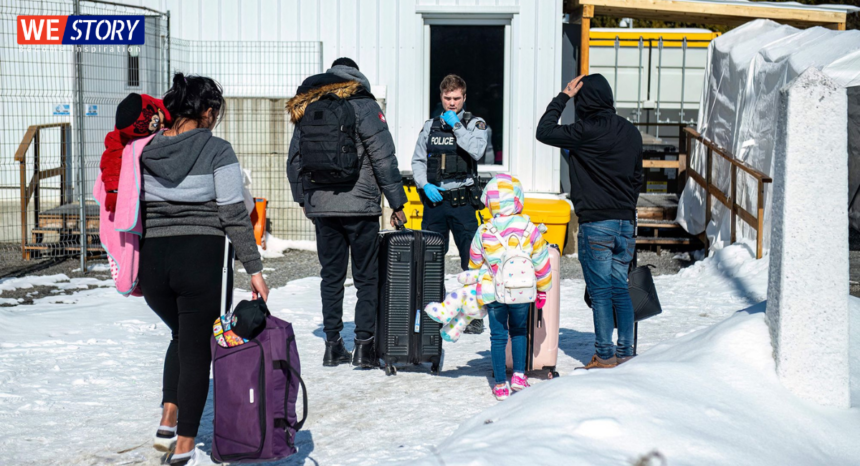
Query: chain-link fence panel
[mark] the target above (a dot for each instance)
(57, 104)
(258, 79)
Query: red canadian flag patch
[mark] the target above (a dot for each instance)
(382, 117)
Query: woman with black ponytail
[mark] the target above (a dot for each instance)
(192, 198)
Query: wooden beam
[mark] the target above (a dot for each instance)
(661, 164)
(21, 153)
(718, 195)
(746, 216)
(712, 13)
(724, 153)
(584, 38)
(696, 177)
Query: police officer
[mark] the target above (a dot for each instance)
(445, 167)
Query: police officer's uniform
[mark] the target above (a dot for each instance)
(448, 157)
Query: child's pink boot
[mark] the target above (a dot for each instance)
(501, 391)
(519, 381)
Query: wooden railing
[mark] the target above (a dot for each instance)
(32, 189)
(681, 163)
(729, 200)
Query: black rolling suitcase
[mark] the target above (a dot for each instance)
(411, 275)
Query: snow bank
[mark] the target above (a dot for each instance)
(275, 246)
(705, 398)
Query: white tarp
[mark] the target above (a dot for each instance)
(739, 110)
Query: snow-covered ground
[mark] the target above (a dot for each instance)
(80, 384)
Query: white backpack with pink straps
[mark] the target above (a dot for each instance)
(514, 279)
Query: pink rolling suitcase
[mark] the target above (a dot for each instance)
(542, 346)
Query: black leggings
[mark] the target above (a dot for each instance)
(180, 277)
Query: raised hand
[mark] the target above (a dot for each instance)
(573, 86)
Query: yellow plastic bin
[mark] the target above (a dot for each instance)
(414, 209)
(554, 213)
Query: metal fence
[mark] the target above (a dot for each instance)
(654, 79)
(57, 103)
(258, 79)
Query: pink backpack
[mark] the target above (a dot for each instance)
(120, 231)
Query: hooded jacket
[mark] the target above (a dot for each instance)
(379, 173)
(192, 185)
(504, 198)
(606, 152)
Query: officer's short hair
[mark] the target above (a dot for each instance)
(452, 82)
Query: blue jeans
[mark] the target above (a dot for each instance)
(605, 251)
(508, 319)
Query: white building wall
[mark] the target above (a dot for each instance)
(386, 38)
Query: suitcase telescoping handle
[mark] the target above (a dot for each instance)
(226, 305)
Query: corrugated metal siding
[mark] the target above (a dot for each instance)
(386, 38)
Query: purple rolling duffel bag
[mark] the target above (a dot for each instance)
(256, 382)
(256, 386)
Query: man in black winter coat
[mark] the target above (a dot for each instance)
(606, 174)
(346, 215)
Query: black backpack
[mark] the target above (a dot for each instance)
(328, 152)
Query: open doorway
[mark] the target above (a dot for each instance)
(476, 54)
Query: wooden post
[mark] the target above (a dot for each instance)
(734, 202)
(759, 241)
(35, 180)
(22, 169)
(63, 165)
(587, 14)
(683, 157)
(707, 190)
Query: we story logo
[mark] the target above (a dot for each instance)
(81, 30)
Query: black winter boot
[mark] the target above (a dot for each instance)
(364, 354)
(475, 327)
(335, 353)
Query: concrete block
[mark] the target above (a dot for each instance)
(807, 305)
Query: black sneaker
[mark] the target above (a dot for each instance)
(364, 354)
(335, 353)
(475, 327)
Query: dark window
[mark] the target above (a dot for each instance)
(476, 54)
(133, 66)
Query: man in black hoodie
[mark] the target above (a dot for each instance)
(605, 174)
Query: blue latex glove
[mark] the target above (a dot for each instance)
(451, 118)
(432, 192)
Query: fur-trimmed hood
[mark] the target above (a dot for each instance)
(297, 105)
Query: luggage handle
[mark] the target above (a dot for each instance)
(298, 425)
(227, 268)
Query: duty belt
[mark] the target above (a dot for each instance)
(456, 196)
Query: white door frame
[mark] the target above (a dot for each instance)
(476, 19)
